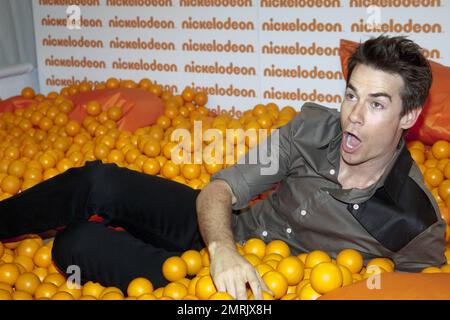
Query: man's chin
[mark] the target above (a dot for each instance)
(353, 159)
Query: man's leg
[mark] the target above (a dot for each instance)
(107, 256)
(53, 203)
(154, 209)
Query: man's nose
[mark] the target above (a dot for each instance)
(357, 113)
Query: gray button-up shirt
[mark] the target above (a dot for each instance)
(397, 217)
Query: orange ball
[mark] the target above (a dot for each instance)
(441, 149)
(43, 257)
(114, 113)
(28, 248)
(93, 289)
(28, 93)
(292, 269)
(433, 176)
(255, 246)
(444, 190)
(188, 94)
(151, 166)
(27, 282)
(11, 184)
(93, 108)
(139, 286)
(174, 269)
(170, 169)
(193, 261)
(201, 99)
(276, 283)
(205, 288)
(279, 247)
(417, 155)
(9, 272)
(152, 148)
(191, 171)
(351, 259)
(316, 257)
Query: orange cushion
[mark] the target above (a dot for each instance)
(13, 103)
(434, 122)
(397, 286)
(140, 108)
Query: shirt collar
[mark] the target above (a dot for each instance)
(392, 179)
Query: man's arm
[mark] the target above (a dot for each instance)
(233, 188)
(229, 270)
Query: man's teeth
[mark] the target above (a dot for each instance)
(349, 137)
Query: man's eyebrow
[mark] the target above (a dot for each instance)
(350, 86)
(373, 95)
(381, 94)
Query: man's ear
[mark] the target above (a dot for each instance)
(410, 118)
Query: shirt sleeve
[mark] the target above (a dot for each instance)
(426, 250)
(262, 167)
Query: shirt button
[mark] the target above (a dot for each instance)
(264, 233)
(303, 212)
(332, 172)
(288, 230)
(356, 206)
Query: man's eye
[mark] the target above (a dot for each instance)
(350, 96)
(377, 105)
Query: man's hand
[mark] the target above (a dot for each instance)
(231, 272)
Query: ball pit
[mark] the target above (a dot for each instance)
(41, 140)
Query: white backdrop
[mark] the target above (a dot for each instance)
(239, 51)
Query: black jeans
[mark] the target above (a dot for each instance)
(159, 217)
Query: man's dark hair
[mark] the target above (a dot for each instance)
(397, 55)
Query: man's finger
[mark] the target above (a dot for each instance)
(255, 285)
(264, 285)
(231, 288)
(220, 285)
(240, 288)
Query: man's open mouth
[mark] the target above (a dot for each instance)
(350, 142)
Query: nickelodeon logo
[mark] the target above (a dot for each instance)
(67, 82)
(216, 3)
(300, 3)
(73, 62)
(298, 49)
(214, 24)
(81, 42)
(138, 22)
(90, 3)
(218, 68)
(230, 91)
(139, 3)
(49, 21)
(139, 44)
(300, 26)
(396, 27)
(299, 95)
(395, 3)
(216, 46)
(142, 65)
(300, 73)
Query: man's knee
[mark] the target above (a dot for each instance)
(93, 173)
(72, 243)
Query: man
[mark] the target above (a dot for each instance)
(345, 181)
